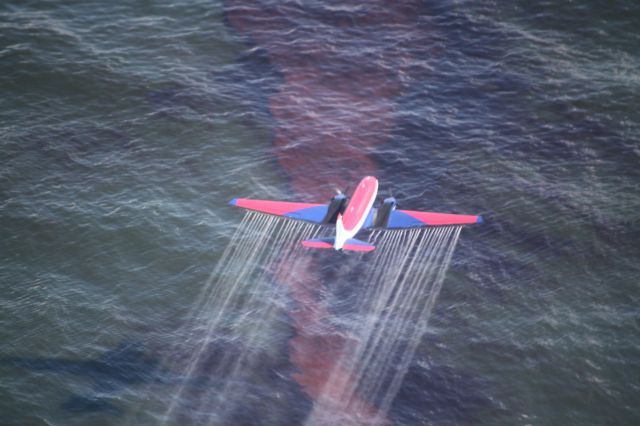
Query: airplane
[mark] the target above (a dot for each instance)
(350, 216)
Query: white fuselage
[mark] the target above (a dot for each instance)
(356, 212)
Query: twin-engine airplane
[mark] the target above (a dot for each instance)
(351, 216)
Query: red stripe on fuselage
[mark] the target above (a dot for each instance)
(360, 203)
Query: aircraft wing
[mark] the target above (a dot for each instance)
(300, 211)
(399, 219)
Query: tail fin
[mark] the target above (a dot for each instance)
(326, 243)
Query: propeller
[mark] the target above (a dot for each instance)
(346, 191)
(390, 195)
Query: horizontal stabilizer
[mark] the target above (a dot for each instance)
(324, 243)
(357, 245)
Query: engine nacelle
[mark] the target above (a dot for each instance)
(383, 213)
(337, 205)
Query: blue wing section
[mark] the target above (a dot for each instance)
(399, 219)
(310, 214)
(299, 211)
(414, 219)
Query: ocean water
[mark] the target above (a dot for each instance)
(126, 128)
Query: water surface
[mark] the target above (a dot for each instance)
(125, 129)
